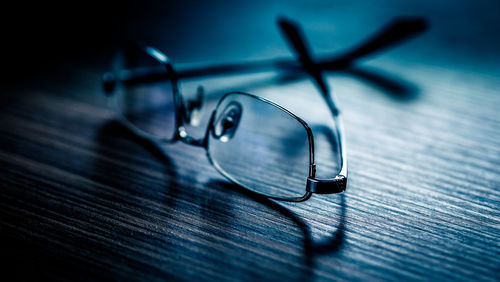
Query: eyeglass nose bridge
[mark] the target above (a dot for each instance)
(222, 128)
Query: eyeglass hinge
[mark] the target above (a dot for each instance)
(327, 186)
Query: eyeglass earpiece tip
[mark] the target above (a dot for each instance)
(109, 83)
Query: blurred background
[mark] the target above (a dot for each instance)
(38, 36)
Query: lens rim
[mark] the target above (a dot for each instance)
(211, 130)
(164, 61)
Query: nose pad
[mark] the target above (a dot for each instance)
(226, 125)
(193, 107)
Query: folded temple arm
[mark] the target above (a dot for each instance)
(298, 44)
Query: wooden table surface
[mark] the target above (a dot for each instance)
(82, 198)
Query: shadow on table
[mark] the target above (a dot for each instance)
(228, 231)
(328, 245)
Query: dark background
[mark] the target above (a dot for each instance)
(37, 36)
(81, 198)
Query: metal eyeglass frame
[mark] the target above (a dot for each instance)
(396, 31)
(182, 116)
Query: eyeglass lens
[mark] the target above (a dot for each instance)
(260, 146)
(147, 106)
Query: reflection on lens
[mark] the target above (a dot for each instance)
(260, 146)
(149, 107)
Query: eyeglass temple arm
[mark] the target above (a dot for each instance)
(298, 43)
(396, 31)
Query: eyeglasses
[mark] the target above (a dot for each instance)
(244, 132)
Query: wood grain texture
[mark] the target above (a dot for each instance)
(83, 199)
